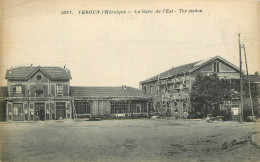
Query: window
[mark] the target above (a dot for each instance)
(184, 84)
(176, 86)
(144, 90)
(59, 89)
(119, 107)
(138, 108)
(39, 92)
(82, 107)
(122, 107)
(151, 89)
(216, 67)
(17, 89)
(166, 88)
(39, 77)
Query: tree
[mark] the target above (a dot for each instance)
(209, 91)
(247, 111)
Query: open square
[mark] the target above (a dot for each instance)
(127, 140)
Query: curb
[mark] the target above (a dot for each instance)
(255, 139)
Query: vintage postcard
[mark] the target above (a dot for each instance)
(125, 80)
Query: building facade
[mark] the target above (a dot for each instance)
(44, 93)
(38, 93)
(170, 90)
(109, 102)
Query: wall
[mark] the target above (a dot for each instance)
(49, 88)
(100, 108)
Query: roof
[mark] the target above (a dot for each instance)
(25, 72)
(106, 92)
(253, 78)
(3, 91)
(172, 71)
(187, 68)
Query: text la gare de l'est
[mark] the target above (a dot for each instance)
(136, 11)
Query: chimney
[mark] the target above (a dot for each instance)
(124, 87)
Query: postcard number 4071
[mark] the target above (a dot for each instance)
(66, 12)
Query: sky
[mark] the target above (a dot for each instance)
(115, 50)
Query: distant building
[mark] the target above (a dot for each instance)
(170, 90)
(256, 80)
(44, 93)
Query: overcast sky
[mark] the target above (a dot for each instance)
(115, 50)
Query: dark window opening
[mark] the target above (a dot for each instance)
(39, 92)
(151, 89)
(144, 90)
(82, 107)
(39, 77)
(216, 67)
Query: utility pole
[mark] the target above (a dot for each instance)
(241, 85)
(249, 88)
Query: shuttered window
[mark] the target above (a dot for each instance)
(18, 89)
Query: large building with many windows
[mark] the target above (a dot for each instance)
(170, 90)
(44, 93)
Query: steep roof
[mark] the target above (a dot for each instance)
(25, 72)
(105, 92)
(3, 91)
(187, 68)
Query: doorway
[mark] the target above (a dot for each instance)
(60, 110)
(18, 112)
(39, 111)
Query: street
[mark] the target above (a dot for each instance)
(128, 140)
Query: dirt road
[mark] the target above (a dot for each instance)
(128, 140)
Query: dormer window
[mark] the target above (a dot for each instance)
(59, 89)
(216, 66)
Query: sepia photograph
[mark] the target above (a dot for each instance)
(128, 80)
